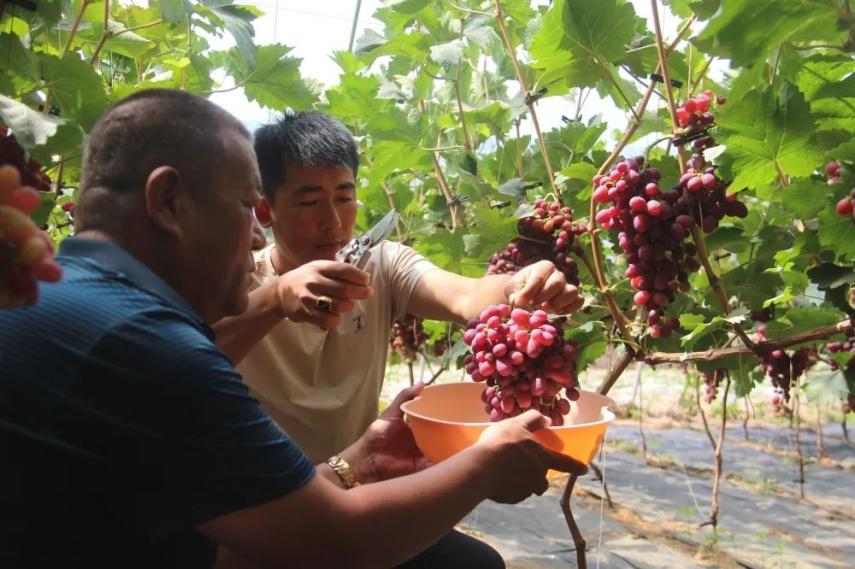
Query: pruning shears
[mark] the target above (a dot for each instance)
(358, 250)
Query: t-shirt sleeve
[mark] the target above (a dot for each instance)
(404, 267)
(183, 439)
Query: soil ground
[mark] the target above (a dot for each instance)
(661, 496)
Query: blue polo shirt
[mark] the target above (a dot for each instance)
(122, 425)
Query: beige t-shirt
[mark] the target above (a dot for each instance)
(323, 387)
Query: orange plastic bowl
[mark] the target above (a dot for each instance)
(447, 418)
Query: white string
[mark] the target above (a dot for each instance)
(691, 490)
(602, 497)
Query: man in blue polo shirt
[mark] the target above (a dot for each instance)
(129, 440)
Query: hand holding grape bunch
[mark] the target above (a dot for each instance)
(26, 253)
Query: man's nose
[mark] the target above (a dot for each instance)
(259, 240)
(331, 218)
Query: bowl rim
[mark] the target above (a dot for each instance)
(608, 414)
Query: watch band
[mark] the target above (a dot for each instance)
(344, 471)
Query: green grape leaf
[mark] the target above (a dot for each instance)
(355, 97)
(238, 21)
(827, 387)
(592, 342)
(798, 320)
(479, 30)
(746, 31)
(274, 81)
(837, 233)
(368, 41)
(392, 155)
(75, 87)
(805, 197)
(580, 40)
(409, 7)
(21, 73)
(764, 133)
(447, 54)
(124, 42)
(829, 275)
(175, 11)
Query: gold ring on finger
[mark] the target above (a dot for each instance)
(324, 303)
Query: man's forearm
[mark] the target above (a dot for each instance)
(486, 291)
(237, 335)
(440, 295)
(448, 492)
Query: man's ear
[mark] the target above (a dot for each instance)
(165, 193)
(263, 214)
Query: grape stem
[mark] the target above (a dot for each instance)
(797, 427)
(762, 347)
(669, 91)
(616, 371)
(578, 540)
(719, 467)
(440, 178)
(500, 20)
(699, 79)
(467, 142)
(390, 193)
(105, 34)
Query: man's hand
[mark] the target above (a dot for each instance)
(298, 291)
(517, 463)
(543, 286)
(387, 449)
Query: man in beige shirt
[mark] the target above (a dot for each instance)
(318, 373)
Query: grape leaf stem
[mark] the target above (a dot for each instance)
(669, 91)
(467, 142)
(72, 33)
(716, 354)
(500, 20)
(578, 540)
(105, 34)
(390, 197)
(440, 177)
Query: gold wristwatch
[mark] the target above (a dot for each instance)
(344, 471)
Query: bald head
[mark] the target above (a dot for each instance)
(143, 132)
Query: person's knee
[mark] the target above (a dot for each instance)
(476, 554)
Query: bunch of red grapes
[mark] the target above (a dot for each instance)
(653, 224)
(846, 346)
(712, 380)
(846, 206)
(696, 110)
(26, 253)
(524, 360)
(546, 234)
(29, 171)
(832, 170)
(440, 346)
(408, 336)
(782, 368)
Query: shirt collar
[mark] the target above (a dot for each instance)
(111, 257)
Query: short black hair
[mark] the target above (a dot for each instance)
(307, 138)
(149, 129)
